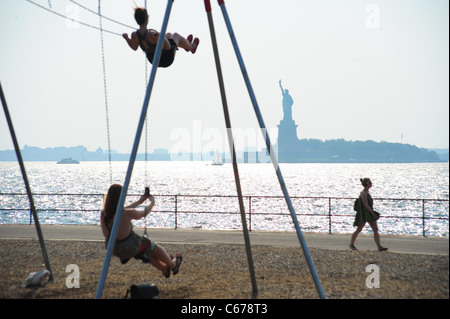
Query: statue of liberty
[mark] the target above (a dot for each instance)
(287, 104)
(288, 143)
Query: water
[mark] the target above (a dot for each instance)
(336, 181)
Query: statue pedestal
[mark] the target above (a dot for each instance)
(287, 134)
(287, 141)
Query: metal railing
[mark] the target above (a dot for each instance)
(334, 214)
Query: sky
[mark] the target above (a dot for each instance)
(356, 70)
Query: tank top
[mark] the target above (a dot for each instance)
(167, 56)
(145, 45)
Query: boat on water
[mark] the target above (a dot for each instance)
(68, 160)
(217, 159)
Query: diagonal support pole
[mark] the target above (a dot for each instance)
(27, 185)
(118, 217)
(232, 150)
(271, 153)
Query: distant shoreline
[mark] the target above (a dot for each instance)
(309, 151)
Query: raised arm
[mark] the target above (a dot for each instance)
(134, 213)
(133, 42)
(137, 203)
(149, 207)
(282, 91)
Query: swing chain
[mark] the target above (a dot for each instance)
(105, 93)
(145, 235)
(147, 193)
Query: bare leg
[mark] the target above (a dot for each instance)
(181, 41)
(158, 264)
(376, 235)
(356, 233)
(161, 260)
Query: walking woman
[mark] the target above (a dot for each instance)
(366, 214)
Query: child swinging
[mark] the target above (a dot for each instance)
(148, 38)
(128, 243)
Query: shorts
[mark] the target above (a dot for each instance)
(134, 246)
(167, 56)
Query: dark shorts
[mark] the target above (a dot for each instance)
(167, 56)
(134, 246)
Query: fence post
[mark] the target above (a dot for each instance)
(176, 212)
(250, 213)
(329, 215)
(423, 218)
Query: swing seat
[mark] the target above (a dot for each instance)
(123, 261)
(144, 245)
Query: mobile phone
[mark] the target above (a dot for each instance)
(147, 191)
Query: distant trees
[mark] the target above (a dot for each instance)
(340, 150)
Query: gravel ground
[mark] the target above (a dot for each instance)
(221, 271)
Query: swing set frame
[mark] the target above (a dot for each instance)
(142, 121)
(273, 156)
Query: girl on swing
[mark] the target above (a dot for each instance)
(128, 243)
(148, 38)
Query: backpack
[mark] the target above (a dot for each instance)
(355, 205)
(144, 291)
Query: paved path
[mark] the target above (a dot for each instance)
(400, 244)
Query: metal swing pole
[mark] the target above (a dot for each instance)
(118, 217)
(27, 185)
(271, 153)
(232, 149)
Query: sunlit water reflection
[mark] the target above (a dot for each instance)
(258, 181)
